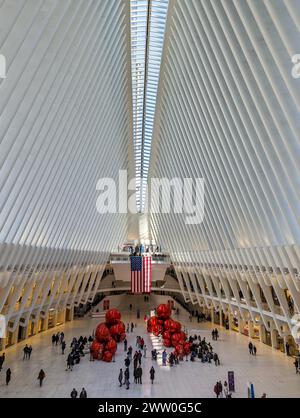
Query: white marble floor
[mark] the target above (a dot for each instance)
(270, 371)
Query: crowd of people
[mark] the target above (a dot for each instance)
(136, 360)
(200, 349)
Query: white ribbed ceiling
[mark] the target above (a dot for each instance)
(65, 121)
(228, 111)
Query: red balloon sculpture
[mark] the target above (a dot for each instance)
(102, 333)
(167, 342)
(107, 356)
(169, 329)
(97, 349)
(111, 346)
(107, 335)
(113, 316)
(163, 311)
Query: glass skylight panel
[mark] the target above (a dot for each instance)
(148, 20)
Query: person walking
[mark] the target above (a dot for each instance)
(287, 348)
(53, 339)
(83, 393)
(127, 362)
(63, 347)
(130, 352)
(29, 352)
(254, 350)
(225, 389)
(152, 374)
(126, 376)
(120, 378)
(250, 346)
(74, 394)
(139, 372)
(25, 352)
(41, 376)
(164, 358)
(70, 362)
(142, 343)
(125, 344)
(135, 375)
(296, 364)
(2, 360)
(8, 376)
(216, 334)
(145, 351)
(139, 356)
(217, 389)
(216, 359)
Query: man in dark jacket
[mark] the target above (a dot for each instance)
(8, 376)
(74, 394)
(126, 376)
(2, 359)
(120, 378)
(83, 393)
(152, 374)
(139, 373)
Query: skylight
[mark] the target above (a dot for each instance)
(148, 21)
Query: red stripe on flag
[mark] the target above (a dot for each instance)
(147, 274)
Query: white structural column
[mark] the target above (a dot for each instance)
(228, 112)
(65, 122)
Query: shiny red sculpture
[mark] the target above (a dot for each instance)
(151, 323)
(167, 342)
(177, 326)
(169, 324)
(102, 333)
(164, 325)
(163, 311)
(97, 349)
(176, 337)
(117, 330)
(107, 335)
(111, 346)
(187, 348)
(112, 316)
(167, 335)
(107, 356)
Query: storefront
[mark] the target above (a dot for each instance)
(31, 328)
(51, 318)
(251, 330)
(235, 322)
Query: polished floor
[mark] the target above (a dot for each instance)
(270, 371)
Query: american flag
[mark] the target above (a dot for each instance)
(141, 274)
